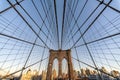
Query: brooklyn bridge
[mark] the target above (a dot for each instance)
(59, 39)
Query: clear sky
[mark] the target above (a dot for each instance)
(14, 52)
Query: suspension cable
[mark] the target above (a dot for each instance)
(56, 22)
(85, 21)
(28, 24)
(91, 24)
(63, 22)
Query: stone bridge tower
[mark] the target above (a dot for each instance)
(60, 55)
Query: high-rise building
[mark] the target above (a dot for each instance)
(54, 74)
(115, 73)
(43, 75)
(78, 74)
(104, 69)
(88, 72)
(83, 73)
(35, 75)
(27, 75)
(94, 72)
(75, 74)
(35, 72)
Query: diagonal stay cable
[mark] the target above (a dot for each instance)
(110, 7)
(41, 59)
(28, 24)
(47, 12)
(87, 48)
(72, 28)
(70, 18)
(42, 18)
(32, 50)
(29, 55)
(74, 48)
(51, 15)
(67, 15)
(43, 53)
(46, 16)
(106, 37)
(114, 43)
(35, 21)
(94, 67)
(77, 54)
(91, 24)
(34, 41)
(12, 37)
(10, 7)
(24, 68)
(102, 49)
(85, 21)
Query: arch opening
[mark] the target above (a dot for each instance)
(55, 69)
(64, 68)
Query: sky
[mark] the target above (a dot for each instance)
(14, 53)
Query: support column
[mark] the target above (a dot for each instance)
(70, 66)
(60, 69)
(49, 71)
(49, 68)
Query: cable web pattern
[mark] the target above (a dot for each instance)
(30, 28)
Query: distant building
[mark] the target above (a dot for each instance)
(104, 70)
(83, 73)
(115, 73)
(27, 76)
(94, 72)
(88, 72)
(16, 78)
(75, 74)
(93, 77)
(78, 73)
(54, 74)
(43, 75)
(105, 77)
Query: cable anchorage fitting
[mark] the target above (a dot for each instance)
(23, 68)
(102, 2)
(17, 2)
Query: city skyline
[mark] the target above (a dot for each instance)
(85, 72)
